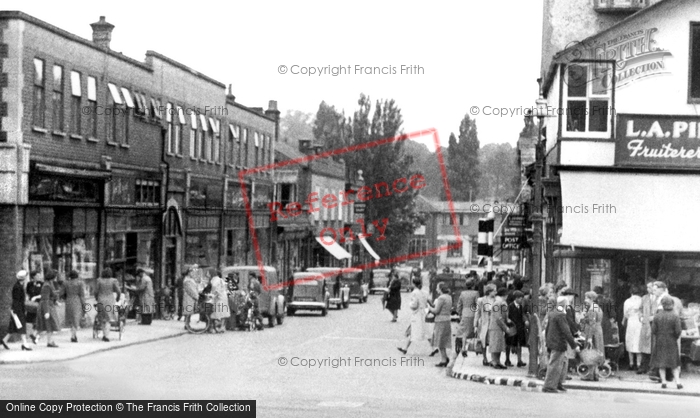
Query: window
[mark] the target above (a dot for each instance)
(76, 111)
(179, 129)
(244, 149)
(125, 114)
(204, 140)
(217, 147)
(57, 100)
(116, 123)
(92, 100)
(193, 136)
(257, 148)
(213, 141)
(237, 146)
(39, 94)
(169, 120)
(233, 138)
(147, 192)
(417, 246)
(694, 70)
(454, 252)
(587, 100)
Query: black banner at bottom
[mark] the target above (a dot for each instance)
(30, 409)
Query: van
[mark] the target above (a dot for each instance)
(272, 302)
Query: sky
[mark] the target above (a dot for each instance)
(474, 57)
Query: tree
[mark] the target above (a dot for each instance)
(463, 161)
(499, 172)
(296, 125)
(385, 163)
(331, 128)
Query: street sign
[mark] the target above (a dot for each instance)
(516, 221)
(360, 207)
(511, 243)
(513, 232)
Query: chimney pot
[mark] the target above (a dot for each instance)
(102, 33)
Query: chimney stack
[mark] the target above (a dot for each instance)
(230, 98)
(102, 33)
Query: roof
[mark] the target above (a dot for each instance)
(287, 151)
(549, 77)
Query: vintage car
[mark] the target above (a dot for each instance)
(454, 281)
(405, 275)
(352, 278)
(309, 292)
(340, 292)
(272, 301)
(379, 281)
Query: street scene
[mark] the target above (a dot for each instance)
(269, 212)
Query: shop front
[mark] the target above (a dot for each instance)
(61, 221)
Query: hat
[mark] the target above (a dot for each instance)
(567, 291)
(22, 274)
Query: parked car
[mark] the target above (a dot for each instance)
(272, 301)
(454, 281)
(405, 275)
(309, 292)
(379, 281)
(340, 292)
(352, 278)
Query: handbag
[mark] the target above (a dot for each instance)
(475, 345)
(511, 331)
(430, 318)
(18, 323)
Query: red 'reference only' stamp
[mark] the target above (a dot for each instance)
(314, 202)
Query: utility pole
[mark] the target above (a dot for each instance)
(536, 219)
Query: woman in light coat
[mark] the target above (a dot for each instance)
(418, 330)
(593, 330)
(74, 292)
(497, 329)
(633, 324)
(483, 317)
(105, 289)
(220, 303)
(190, 294)
(442, 331)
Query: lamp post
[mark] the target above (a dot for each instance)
(540, 113)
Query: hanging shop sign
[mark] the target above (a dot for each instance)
(658, 141)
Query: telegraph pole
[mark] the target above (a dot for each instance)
(536, 219)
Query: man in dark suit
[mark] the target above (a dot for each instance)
(517, 318)
(558, 336)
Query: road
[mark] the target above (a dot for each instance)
(243, 365)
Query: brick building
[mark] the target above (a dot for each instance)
(110, 161)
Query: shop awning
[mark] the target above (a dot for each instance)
(335, 249)
(369, 249)
(630, 211)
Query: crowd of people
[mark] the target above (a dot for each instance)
(495, 317)
(36, 302)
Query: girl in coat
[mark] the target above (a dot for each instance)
(220, 308)
(442, 331)
(105, 289)
(47, 317)
(19, 311)
(74, 294)
(393, 300)
(418, 330)
(497, 328)
(593, 330)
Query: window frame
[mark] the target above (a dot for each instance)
(39, 105)
(693, 26)
(609, 96)
(76, 103)
(93, 106)
(169, 134)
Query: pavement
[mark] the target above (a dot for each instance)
(133, 334)
(471, 369)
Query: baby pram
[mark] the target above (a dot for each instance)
(103, 316)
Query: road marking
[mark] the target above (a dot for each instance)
(341, 404)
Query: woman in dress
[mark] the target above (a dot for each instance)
(393, 300)
(666, 329)
(105, 289)
(47, 317)
(593, 330)
(442, 332)
(418, 330)
(633, 323)
(33, 291)
(483, 317)
(220, 308)
(18, 313)
(466, 309)
(74, 292)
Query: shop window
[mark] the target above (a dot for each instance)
(587, 99)
(51, 188)
(76, 111)
(39, 94)
(147, 192)
(92, 101)
(694, 67)
(454, 252)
